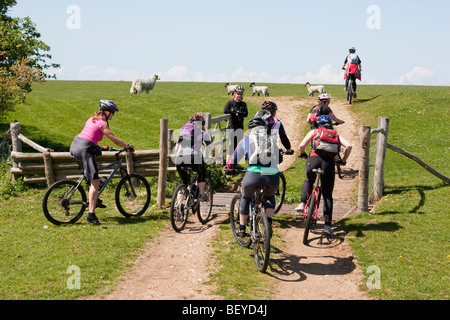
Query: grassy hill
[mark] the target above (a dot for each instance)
(407, 238)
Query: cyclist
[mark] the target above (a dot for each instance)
(275, 126)
(353, 70)
(262, 169)
(85, 147)
(323, 108)
(238, 110)
(188, 151)
(325, 163)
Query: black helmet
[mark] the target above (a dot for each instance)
(239, 89)
(260, 119)
(107, 105)
(269, 106)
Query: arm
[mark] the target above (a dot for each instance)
(348, 148)
(284, 139)
(335, 119)
(305, 141)
(108, 133)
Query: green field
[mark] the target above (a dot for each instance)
(407, 237)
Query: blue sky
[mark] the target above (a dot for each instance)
(284, 41)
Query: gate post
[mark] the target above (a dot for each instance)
(163, 161)
(378, 182)
(363, 191)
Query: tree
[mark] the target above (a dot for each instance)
(23, 58)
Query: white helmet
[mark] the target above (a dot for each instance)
(324, 96)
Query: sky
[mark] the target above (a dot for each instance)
(402, 42)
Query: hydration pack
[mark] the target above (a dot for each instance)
(316, 112)
(326, 142)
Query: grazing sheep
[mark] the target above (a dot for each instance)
(259, 89)
(312, 89)
(230, 87)
(140, 85)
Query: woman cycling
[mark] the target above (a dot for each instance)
(262, 169)
(85, 147)
(327, 164)
(188, 152)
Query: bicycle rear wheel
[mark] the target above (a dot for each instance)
(205, 207)
(64, 203)
(234, 221)
(350, 91)
(178, 209)
(261, 243)
(310, 208)
(133, 195)
(280, 194)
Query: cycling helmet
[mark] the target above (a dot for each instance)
(269, 106)
(352, 50)
(239, 89)
(324, 96)
(197, 117)
(324, 119)
(107, 105)
(260, 119)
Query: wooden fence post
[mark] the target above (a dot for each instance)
(48, 168)
(378, 183)
(163, 152)
(363, 192)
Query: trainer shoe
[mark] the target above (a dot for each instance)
(100, 204)
(241, 232)
(328, 230)
(300, 207)
(92, 218)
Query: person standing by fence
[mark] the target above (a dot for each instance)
(237, 108)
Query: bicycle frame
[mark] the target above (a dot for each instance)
(316, 192)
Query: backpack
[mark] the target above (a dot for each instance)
(326, 143)
(316, 112)
(262, 145)
(187, 139)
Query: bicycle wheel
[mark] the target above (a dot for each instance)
(350, 91)
(310, 207)
(261, 243)
(234, 221)
(281, 193)
(205, 207)
(133, 195)
(64, 203)
(178, 209)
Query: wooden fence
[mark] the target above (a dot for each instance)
(382, 145)
(48, 166)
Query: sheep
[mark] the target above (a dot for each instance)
(259, 89)
(312, 89)
(230, 87)
(140, 85)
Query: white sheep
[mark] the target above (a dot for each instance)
(312, 89)
(230, 87)
(140, 85)
(259, 89)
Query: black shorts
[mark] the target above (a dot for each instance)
(85, 152)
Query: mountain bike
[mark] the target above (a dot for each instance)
(350, 88)
(65, 201)
(185, 200)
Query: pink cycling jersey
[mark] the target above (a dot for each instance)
(92, 131)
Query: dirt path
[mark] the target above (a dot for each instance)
(175, 266)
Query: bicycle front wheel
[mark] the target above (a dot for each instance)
(178, 210)
(281, 193)
(205, 207)
(234, 221)
(310, 207)
(261, 244)
(133, 195)
(64, 202)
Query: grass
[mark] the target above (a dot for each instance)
(407, 238)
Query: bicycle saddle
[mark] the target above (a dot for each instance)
(318, 171)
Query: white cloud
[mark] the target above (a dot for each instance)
(96, 73)
(418, 76)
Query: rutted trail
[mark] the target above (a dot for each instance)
(175, 266)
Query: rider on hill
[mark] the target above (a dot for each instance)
(323, 108)
(353, 69)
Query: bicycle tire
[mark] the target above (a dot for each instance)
(280, 194)
(310, 207)
(234, 221)
(178, 210)
(261, 243)
(58, 209)
(133, 195)
(350, 91)
(204, 208)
